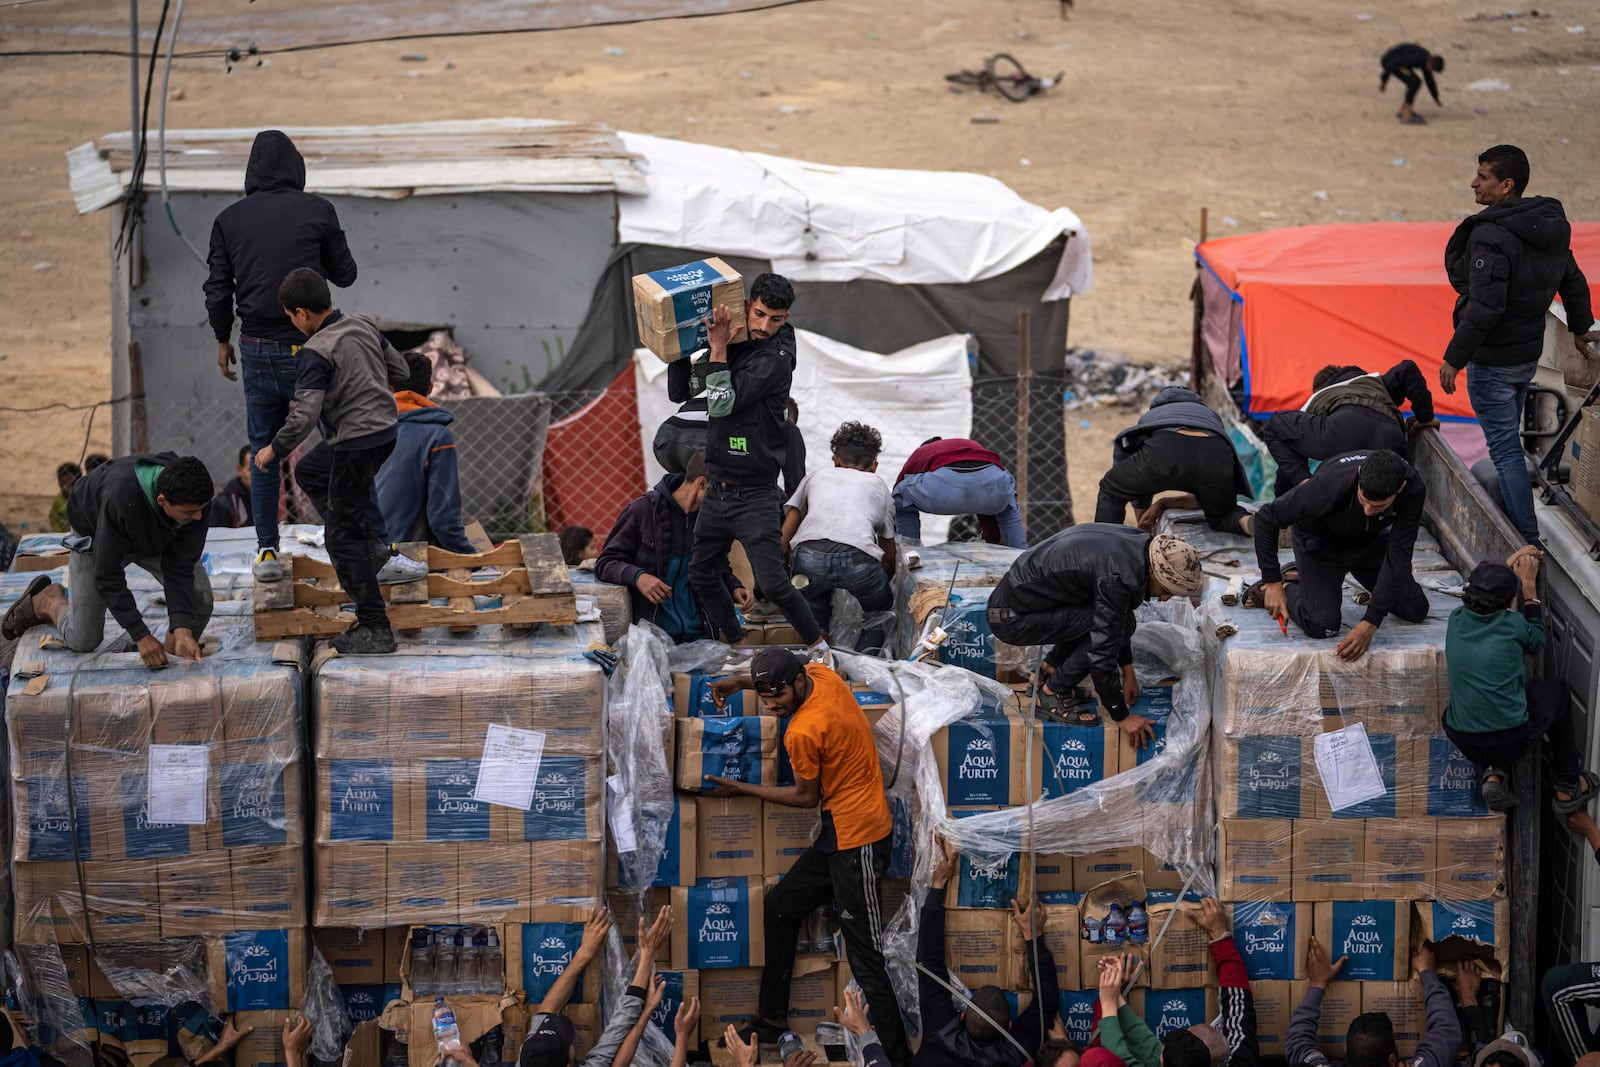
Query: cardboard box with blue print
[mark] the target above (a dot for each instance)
(671, 306)
(1254, 858)
(1265, 776)
(717, 924)
(1155, 704)
(257, 970)
(355, 956)
(743, 748)
(538, 951)
(1166, 1010)
(351, 885)
(1466, 929)
(992, 881)
(691, 697)
(1469, 858)
(680, 847)
(363, 800)
(1076, 757)
(1374, 934)
(971, 643)
(983, 762)
(1329, 859)
(1272, 937)
(568, 803)
(1400, 857)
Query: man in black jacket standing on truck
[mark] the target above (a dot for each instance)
(1358, 515)
(145, 510)
(255, 243)
(1506, 264)
(1349, 410)
(1077, 590)
(747, 400)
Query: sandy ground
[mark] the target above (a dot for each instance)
(1251, 108)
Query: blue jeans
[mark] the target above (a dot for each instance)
(268, 368)
(989, 490)
(829, 566)
(1498, 396)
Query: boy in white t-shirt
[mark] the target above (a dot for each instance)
(838, 530)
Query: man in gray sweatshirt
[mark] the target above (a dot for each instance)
(344, 381)
(1370, 1040)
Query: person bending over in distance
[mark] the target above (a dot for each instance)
(1405, 61)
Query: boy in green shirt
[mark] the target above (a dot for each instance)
(1494, 714)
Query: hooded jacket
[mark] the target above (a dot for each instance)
(654, 536)
(257, 241)
(1096, 565)
(1176, 408)
(1295, 438)
(748, 402)
(419, 484)
(1506, 264)
(343, 380)
(110, 506)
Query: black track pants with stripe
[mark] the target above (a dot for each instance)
(847, 879)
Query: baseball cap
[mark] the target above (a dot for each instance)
(1514, 1043)
(1493, 578)
(548, 1046)
(774, 668)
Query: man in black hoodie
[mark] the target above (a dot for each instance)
(1180, 444)
(1506, 264)
(648, 551)
(255, 243)
(145, 510)
(1349, 410)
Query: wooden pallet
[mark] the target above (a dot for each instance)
(534, 587)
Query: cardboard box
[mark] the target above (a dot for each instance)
(1272, 937)
(1400, 859)
(496, 882)
(1466, 929)
(49, 907)
(1374, 934)
(727, 996)
(262, 1045)
(1090, 954)
(260, 799)
(972, 644)
(1341, 1003)
(197, 895)
(1155, 704)
(743, 748)
(120, 814)
(1089, 871)
(992, 881)
(443, 807)
(1078, 1014)
(49, 828)
(475, 1015)
(1052, 874)
(1402, 1002)
(717, 924)
(259, 711)
(424, 884)
(1390, 752)
(691, 698)
(269, 886)
(1254, 859)
(362, 800)
(257, 970)
(1076, 757)
(354, 955)
(982, 762)
(365, 1003)
(1274, 1004)
(785, 833)
(124, 901)
(1263, 777)
(1158, 873)
(812, 996)
(427, 717)
(1182, 959)
(185, 710)
(680, 986)
(567, 872)
(1452, 790)
(1470, 859)
(1329, 859)
(351, 885)
(672, 306)
(680, 847)
(1259, 684)
(729, 837)
(624, 905)
(1061, 937)
(1166, 1010)
(568, 801)
(1584, 451)
(979, 948)
(538, 951)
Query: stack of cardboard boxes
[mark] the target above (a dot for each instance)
(1424, 860)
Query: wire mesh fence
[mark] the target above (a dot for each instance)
(540, 461)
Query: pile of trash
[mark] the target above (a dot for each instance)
(1096, 378)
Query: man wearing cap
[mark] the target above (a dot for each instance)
(549, 1040)
(1493, 714)
(835, 760)
(1358, 515)
(1077, 591)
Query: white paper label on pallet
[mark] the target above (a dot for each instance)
(510, 767)
(1348, 768)
(176, 784)
(619, 814)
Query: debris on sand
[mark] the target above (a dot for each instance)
(1095, 378)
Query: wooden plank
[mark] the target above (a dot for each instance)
(525, 612)
(507, 555)
(547, 571)
(306, 567)
(300, 622)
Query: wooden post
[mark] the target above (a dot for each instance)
(1198, 367)
(141, 419)
(1024, 399)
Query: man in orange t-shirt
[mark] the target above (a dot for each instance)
(835, 763)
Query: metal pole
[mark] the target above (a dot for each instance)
(1024, 398)
(133, 72)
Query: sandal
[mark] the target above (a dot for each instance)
(1073, 711)
(1495, 786)
(22, 616)
(1580, 791)
(1251, 597)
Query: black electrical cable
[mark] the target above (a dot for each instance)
(133, 195)
(314, 46)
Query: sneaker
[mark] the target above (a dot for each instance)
(362, 640)
(268, 567)
(399, 569)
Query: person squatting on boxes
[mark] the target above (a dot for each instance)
(1358, 515)
(1349, 410)
(958, 476)
(1077, 591)
(1178, 444)
(838, 531)
(835, 761)
(1370, 1040)
(747, 394)
(1493, 714)
(967, 1037)
(347, 368)
(649, 548)
(147, 510)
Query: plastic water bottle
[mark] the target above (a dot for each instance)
(1116, 926)
(491, 964)
(467, 976)
(445, 1032)
(1138, 924)
(1092, 932)
(788, 1045)
(424, 962)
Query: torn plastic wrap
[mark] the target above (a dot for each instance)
(950, 588)
(324, 1007)
(850, 623)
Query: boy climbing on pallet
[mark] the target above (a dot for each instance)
(345, 379)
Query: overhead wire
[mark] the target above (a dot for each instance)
(161, 138)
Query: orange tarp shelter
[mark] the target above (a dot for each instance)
(1282, 304)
